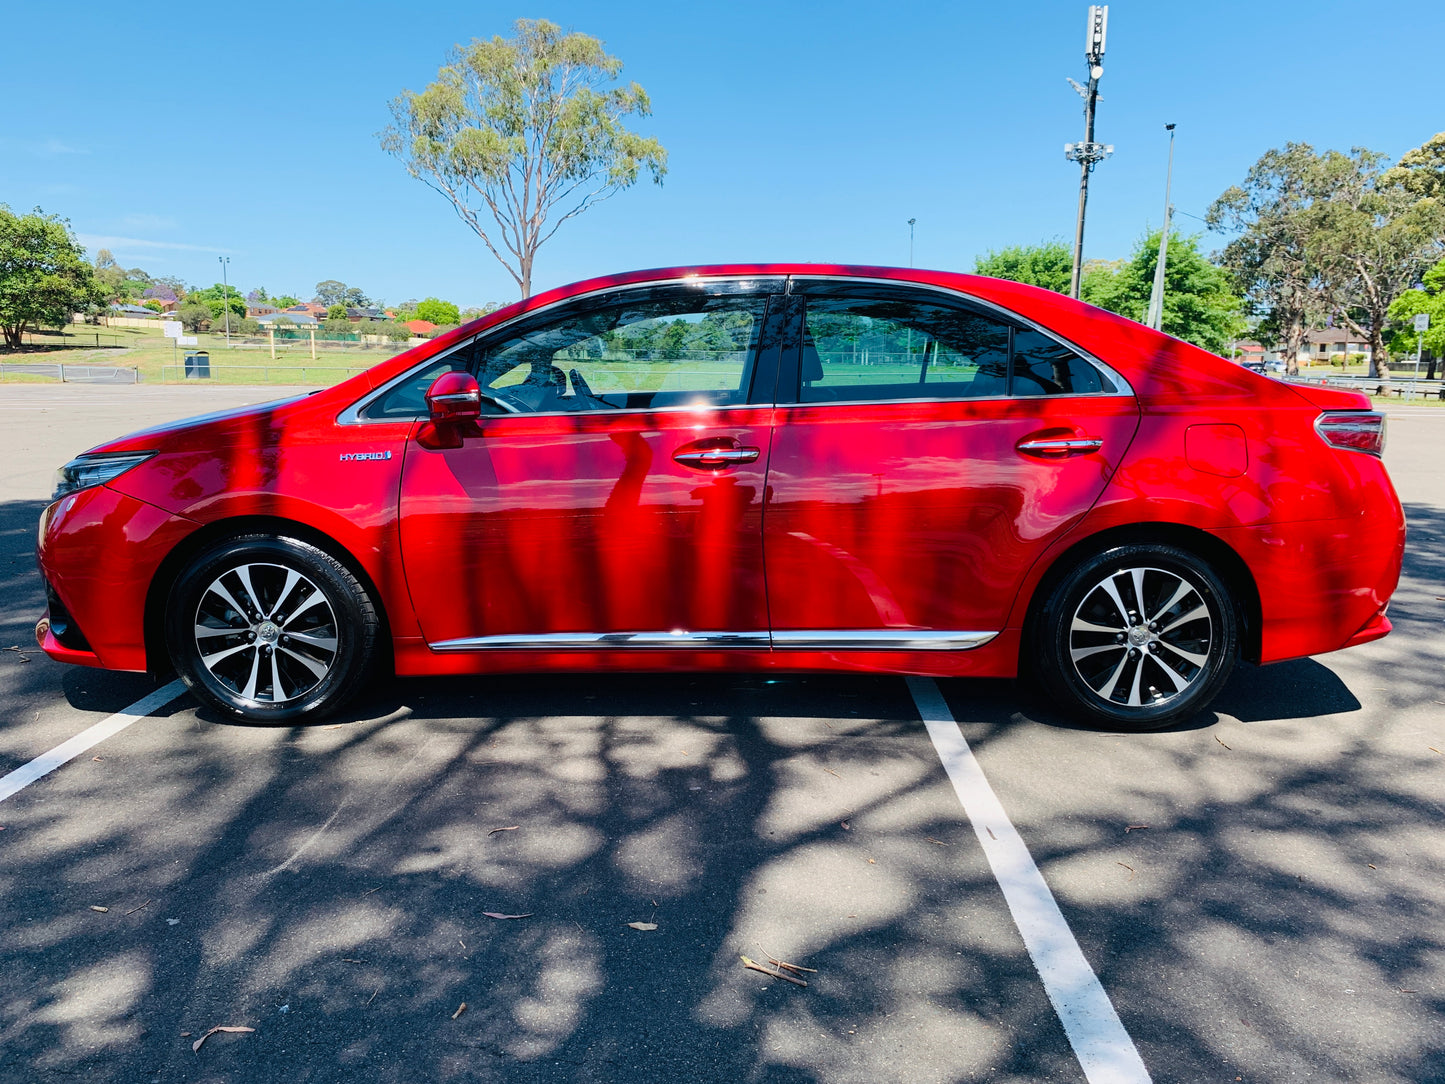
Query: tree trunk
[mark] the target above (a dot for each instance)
(13, 334)
(524, 265)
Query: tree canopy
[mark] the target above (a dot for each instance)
(437, 312)
(528, 131)
(331, 292)
(1049, 265)
(1199, 306)
(1430, 300)
(217, 298)
(44, 276)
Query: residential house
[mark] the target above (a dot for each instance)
(420, 327)
(1333, 344)
(260, 308)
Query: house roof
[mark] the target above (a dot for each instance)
(1336, 335)
(419, 327)
(134, 310)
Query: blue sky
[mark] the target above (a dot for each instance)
(795, 131)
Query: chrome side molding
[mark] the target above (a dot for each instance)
(879, 639)
(784, 639)
(590, 641)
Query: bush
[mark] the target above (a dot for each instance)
(194, 317)
(332, 325)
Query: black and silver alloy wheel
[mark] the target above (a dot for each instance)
(270, 628)
(266, 632)
(1137, 637)
(1140, 636)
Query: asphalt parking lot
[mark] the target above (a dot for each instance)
(1258, 892)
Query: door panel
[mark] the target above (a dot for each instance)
(924, 515)
(937, 449)
(622, 491)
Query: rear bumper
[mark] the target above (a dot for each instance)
(1323, 585)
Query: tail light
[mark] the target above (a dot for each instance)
(1355, 430)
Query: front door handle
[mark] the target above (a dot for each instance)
(717, 458)
(1060, 447)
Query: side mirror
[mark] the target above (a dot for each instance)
(454, 397)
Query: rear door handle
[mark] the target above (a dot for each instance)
(1060, 447)
(717, 458)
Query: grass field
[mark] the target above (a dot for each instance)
(159, 360)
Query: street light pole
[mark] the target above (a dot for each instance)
(226, 296)
(1088, 153)
(911, 221)
(1156, 295)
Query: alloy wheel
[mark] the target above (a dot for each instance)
(1141, 637)
(267, 633)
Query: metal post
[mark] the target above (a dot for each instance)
(911, 221)
(226, 297)
(1156, 295)
(1088, 153)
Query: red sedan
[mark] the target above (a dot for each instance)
(743, 468)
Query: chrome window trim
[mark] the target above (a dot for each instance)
(352, 414)
(786, 639)
(879, 639)
(799, 281)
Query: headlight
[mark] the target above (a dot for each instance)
(94, 470)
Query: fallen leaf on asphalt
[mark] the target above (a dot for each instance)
(1371, 865)
(752, 965)
(1129, 868)
(989, 830)
(642, 925)
(460, 1009)
(1132, 827)
(95, 758)
(1434, 750)
(938, 841)
(871, 862)
(846, 826)
(494, 914)
(831, 772)
(196, 1046)
(511, 828)
(1221, 742)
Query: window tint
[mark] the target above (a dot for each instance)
(408, 399)
(1042, 367)
(885, 348)
(660, 348)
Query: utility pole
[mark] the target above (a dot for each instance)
(226, 296)
(1156, 295)
(911, 221)
(1088, 153)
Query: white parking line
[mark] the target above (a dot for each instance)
(1104, 1049)
(46, 763)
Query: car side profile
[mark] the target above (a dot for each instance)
(786, 467)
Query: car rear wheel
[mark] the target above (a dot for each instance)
(270, 628)
(1137, 637)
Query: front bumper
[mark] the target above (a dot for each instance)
(99, 552)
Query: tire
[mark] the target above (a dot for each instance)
(270, 629)
(1110, 659)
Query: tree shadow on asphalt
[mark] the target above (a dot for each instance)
(341, 871)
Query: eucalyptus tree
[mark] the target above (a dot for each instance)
(527, 131)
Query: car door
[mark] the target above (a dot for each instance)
(613, 496)
(926, 450)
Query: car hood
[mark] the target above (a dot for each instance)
(159, 437)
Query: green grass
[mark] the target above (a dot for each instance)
(161, 361)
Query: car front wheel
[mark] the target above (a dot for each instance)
(1137, 637)
(270, 628)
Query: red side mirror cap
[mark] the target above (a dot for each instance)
(454, 396)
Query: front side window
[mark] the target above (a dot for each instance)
(659, 348)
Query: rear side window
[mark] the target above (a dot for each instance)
(895, 342)
(855, 348)
(1042, 366)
